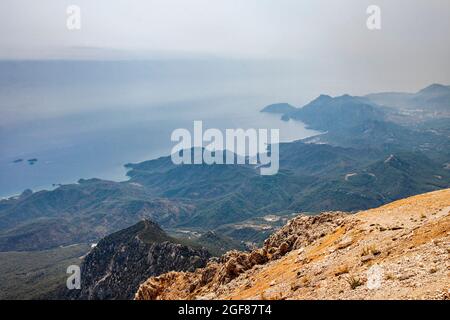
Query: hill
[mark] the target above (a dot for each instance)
(121, 261)
(79, 213)
(435, 97)
(327, 113)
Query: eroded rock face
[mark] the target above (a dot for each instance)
(302, 231)
(121, 262)
(298, 233)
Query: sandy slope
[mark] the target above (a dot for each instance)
(398, 251)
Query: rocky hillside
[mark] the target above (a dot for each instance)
(116, 267)
(398, 251)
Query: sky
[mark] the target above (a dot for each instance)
(411, 49)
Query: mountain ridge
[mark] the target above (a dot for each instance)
(435, 97)
(117, 265)
(330, 171)
(311, 179)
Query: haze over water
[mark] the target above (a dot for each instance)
(88, 119)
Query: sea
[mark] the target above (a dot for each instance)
(61, 121)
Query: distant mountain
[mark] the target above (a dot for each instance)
(120, 262)
(389, 179)
(435, 97)
(402, 175)
(435, 90)
(83, 212)
(326, 113)
(311, 179)
(363, 124)
(282, 108)
(389, 137)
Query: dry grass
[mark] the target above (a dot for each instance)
(354, 282)
(389, 276)
(305, 280)
(433, 270)
(368, 250)
(341, 270)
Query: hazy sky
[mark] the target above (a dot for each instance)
(412, 48)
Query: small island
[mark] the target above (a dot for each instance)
(32, 161)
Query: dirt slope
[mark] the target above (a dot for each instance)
(398, 251)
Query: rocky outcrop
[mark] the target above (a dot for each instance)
(116, 267)
(398, 251)
(299, 232)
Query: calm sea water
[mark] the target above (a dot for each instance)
(85, 120)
